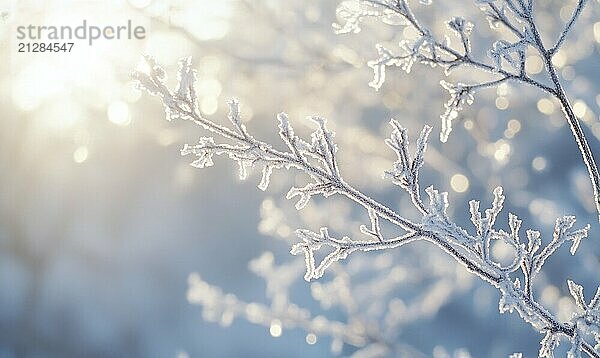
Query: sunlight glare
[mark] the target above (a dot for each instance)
(275, 328)
(459, 183)
(208, 19)
(80, 154)
(209, 105)
(118, 113)
(36, 83)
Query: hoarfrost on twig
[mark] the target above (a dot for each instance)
(508, 57)
(316, 157)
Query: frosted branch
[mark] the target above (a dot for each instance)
(568, 26)
(317, 158)
(405, 172)
(427, 50)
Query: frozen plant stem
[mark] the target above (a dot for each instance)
(317, 159)
(577, 131)
(580, 139)
(509, 58)
(560, 94)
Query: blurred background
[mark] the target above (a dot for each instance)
(102, 222)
